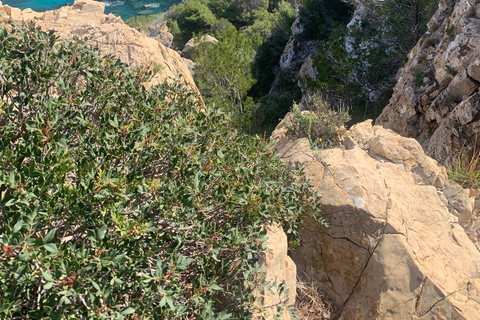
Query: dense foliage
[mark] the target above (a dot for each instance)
(225, 82)
(358, 63)
(121, 202)
(249, 63)
(356, 60)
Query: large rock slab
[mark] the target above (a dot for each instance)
(85, 19)
(436, 96)
(394, 248)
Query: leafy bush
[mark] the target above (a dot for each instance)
(320, 125)
(120, 202)
(321, 17)
(272, 108)
(419, 76)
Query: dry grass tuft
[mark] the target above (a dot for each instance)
(312, 304)
(466, 171)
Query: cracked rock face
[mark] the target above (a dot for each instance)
(85, 19)
(394, 248)
(436, 99)
(277, 268)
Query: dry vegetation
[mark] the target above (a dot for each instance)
(311, 302)
(466, 170)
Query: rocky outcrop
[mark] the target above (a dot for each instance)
(394, 248)
(192, 44)
(85, 19)
(296, 52)
(436, 99)
(281, 274)
(160, 33)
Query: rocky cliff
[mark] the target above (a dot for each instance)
(85, 20)
(395, 248)
(436, 99)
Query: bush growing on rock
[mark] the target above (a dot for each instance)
(121, 202)
(320, 125)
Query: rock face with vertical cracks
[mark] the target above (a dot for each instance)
(395, 248)
(436, 99)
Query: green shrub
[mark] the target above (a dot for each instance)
(320, 125)
(223, 74)
(451, 70)
(451, 32)
(142, 23)
(120, 202)
(419, 76)
(191, 17)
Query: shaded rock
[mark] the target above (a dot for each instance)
(160, 33)
(394, 248)
(190, 64)
(442, 115)
(295, 56)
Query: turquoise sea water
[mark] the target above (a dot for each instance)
(123, 8)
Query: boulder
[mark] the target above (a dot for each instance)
(442, 112)
(278, 270)
(86, 19)
(192, 43)
(395, 248)
(160, 33)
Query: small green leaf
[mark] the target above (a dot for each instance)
(215, 287)
(170, 303)
(47, 276)
(127, 310)
(65, 300)
(48, 285)
(51, 247)
(101, 233)
(163, 301)
(96, 286)
(10, 202)
(49, 237)
(17, 226)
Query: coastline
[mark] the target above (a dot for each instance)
(125, 9)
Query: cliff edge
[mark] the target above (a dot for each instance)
(436, 99)
(395, 248)
(85, 19)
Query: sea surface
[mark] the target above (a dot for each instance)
(123, 8)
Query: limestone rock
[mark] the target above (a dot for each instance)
(294, 56)
(191, 43)
(441, 114)
(85, 19)
(394, 248)
(278, 268)
(160, 33)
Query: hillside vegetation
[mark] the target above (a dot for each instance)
(356, 62)
(121, 202)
